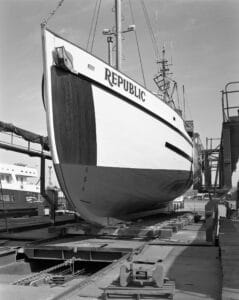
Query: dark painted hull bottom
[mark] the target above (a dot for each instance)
(117, 192)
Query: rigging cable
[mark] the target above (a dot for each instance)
(189, 109)
(91, 26)
(175, 88)
(43, 24)
(137, 42)
(156, 50)
(178, 99)
(97, 17)
(185, 101)
(52, 13)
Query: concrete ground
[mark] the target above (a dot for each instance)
(229, 245)
(195, 269)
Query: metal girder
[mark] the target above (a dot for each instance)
(23, 150)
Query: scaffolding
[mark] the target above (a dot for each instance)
(222, 154)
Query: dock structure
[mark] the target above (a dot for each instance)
(221, 154)
(230, 132)
(175, 243)
(229, 255)
(12, 136)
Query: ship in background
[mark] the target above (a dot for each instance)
(19, 196)
(118, 149)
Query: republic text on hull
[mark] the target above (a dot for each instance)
(117, 148)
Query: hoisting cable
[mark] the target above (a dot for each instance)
(137, 42)
(52, 13)
(43, 24)
(96, 22)
(178, 99)
(156, 50)
(175, 88)
(188, 106)
(91, 25)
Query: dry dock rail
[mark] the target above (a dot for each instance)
(190, 263)
(12, 225)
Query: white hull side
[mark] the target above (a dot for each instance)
(127, 137)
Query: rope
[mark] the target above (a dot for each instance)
(154, 42)
(96, 22)
(52, 13)
(91, 26)
(137, 42)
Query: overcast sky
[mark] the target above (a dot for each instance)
(201, 36)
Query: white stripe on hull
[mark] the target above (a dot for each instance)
(128, 137)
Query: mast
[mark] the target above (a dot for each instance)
(162, 79)
(164, 71)
(118, 33)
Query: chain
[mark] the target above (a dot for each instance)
(26, 280)
(52, 13)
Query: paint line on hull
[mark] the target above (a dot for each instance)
(115, 192)
(178, 151)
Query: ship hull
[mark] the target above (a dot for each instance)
(116, 148)
(117, 192)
